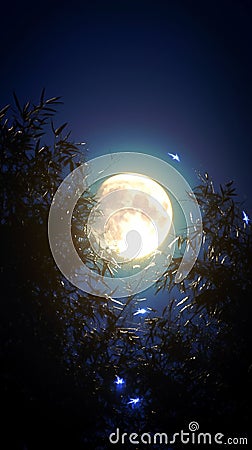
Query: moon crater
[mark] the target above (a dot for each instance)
(131, 219)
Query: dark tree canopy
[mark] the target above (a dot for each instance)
(61, 348)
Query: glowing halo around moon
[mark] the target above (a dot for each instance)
(132, 218)
(130, 242)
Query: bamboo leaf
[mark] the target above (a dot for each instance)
(53, 100)
(3, 111)
(60, 129)
(42, 97)
(71, 165)
(17, 103)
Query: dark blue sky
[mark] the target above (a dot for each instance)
(147, 76)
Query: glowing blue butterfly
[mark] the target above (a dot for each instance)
(140, 311)
(174, 157)
(119, 381)
(245, 218)
(134, 401)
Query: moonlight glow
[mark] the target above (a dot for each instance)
(137, 215)
(129, 188)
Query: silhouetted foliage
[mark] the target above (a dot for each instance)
(62, 348)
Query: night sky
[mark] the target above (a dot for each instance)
(146, 76)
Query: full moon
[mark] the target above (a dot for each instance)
(132, 218)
